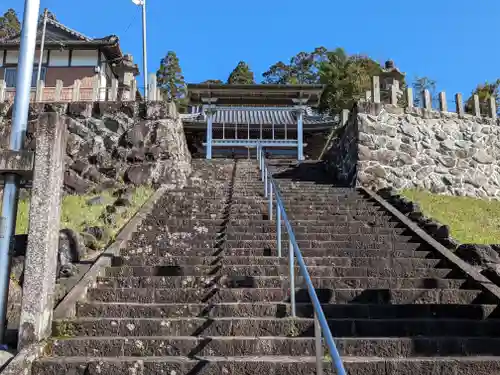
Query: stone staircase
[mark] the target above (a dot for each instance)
(199, 290)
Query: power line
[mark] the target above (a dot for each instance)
(131, 22)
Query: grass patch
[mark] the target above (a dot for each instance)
(77, 215)
(471, 221)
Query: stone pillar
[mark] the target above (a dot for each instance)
(113, 94)
(409, 97)
(492, 107)
(151, 89)
(427, 99)
(300, 134)
(210, 117)
(443, 105)
(376, 89)
(394, 94)
(460, 104)
(477, 108)
(43, 234)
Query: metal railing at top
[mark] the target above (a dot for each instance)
(321, 328)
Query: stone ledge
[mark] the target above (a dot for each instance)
(471, 271)
(18, 162)
(22, 361)
(484, 258)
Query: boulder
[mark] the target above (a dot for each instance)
(76, 183)
(71, 250)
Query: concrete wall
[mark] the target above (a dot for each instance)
(417, 148)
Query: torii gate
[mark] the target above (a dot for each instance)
(247, 109)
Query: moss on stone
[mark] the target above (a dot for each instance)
(77, 214)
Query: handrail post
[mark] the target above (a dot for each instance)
(319, 345)
(270, 198)
(278, 226)
(265, 181)
(291, 261)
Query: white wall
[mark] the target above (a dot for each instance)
(59, 58)
(12, 57)
(102, 79)
(84, 58)
(37, 56)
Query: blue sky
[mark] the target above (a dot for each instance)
(452, 42)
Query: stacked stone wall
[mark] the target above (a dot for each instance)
(111, 142)
(442, 152)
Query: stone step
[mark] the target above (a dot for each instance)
(277, 365)
(146, 243)
(291, 327)
(250, 270)
(306, 253)
(300, 236)
(336, 221)
(357, 228)
(159, 346)
(283, 310)
(271, 244)
(221, 295)
(379, 263)
(276, 282)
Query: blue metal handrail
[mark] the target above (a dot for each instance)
(321, 327)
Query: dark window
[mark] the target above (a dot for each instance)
(11, 75)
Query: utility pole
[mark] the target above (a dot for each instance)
(42, 46)
(17, 136)
(144, 46)
(144, 50)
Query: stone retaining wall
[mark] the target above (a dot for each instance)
(108, 142)
(342, 153)
(441, 152)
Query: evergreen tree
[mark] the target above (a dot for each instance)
(213, 81)
(241, 75)
(346, 79)
(485, 92)
(302, 69)
(9, 25)
(170, 78)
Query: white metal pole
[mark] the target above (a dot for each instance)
(144, 50)
(42, 46)
(19, 124)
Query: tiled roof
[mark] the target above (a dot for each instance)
(56, 32)
(258, 116)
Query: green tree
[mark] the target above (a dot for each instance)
(346, 79)
(419, 85)
(170, 78)
(9, 25)
(485, 92)
(213, 82)
(241, 75)
(302, 69)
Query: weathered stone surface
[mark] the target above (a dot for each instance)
(434, 151)
(342, 156)
(106, 140)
